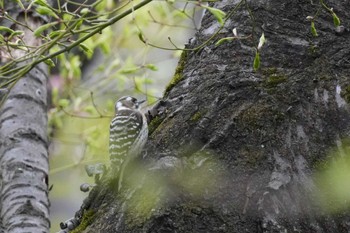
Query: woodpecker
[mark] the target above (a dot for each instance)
(128, 134)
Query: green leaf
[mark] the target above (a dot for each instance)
(67, 17)
(141, 37)
(79, 23)
(313, 29)
(6, 29)
(41, 3)
(336, 20)
(42, 28)
(86, 50)
(43, 10)
(74, 70)
(63, 103)
(90, 109)
(16, 44)
(54, 34)
(56, 121)
(55, 95)
(49, 62)
(129, 70)
(85, 11)
(218, 14)
(151, 67)
(222, 40)
(16, 33)
(20, 4)
(256, 64)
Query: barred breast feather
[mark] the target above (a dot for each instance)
(128, 135)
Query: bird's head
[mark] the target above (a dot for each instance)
(128, 102)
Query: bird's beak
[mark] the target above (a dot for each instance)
(141, 101)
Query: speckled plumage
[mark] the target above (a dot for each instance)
(128, 134)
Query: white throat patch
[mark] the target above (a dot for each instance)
(121, 108)
(119, 104)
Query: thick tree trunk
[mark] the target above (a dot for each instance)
(249, 140)
(24, 204)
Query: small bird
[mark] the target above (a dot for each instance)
(128, 134)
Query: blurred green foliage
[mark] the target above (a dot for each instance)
(193, 178)
(333, 180)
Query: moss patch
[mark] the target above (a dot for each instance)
(178, 76)
(153, 125)
(252, 156)
(196, 116)
(269, 71)
(275, 79)
(258, 115)
(345, 94)
(253, 116)
(87, 219)
(313, 51)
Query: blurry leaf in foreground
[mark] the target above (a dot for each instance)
(218, 14)
(147, 198)
(334, 181)
(197, 176)
(200, 175)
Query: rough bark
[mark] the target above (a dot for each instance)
(262, 132)
(24, 204)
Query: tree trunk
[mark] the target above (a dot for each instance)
(24, 204)
(235, 150)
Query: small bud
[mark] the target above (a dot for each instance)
(234, 31)
(261, 41)
(309, 18)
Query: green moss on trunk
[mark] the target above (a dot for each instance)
(178, 76)
(345, 94)
(85, 222)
